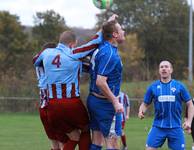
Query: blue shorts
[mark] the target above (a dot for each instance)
(103, 117)
(157, 137)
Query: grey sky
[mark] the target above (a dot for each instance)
(77, 13)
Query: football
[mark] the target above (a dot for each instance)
(103, 4)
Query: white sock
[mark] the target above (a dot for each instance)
(192, 147)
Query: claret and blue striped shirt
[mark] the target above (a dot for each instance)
(62, 68)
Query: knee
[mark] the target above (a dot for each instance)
(97, 138)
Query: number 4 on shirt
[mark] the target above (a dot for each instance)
(56, 61)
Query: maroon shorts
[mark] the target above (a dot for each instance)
(50, 131)
(63, 116)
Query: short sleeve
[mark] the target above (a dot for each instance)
(106, 63)
(185, 95)
(148, 95)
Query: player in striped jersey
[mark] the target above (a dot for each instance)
(66, 113)
(41, 78)
(124, 99)
(43, 93)
(167, 95)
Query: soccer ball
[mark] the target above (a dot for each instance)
(103, 4)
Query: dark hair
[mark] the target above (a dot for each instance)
(49, 45)
(67, 37)
(108, 28)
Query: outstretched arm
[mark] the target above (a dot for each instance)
(85, 49)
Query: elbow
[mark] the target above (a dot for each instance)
(99, 83)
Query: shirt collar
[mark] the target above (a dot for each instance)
(64, 47)
(107, 42)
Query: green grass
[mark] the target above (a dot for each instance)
(137, 131)
(21, 132)
(25, 131)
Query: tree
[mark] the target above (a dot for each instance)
(13, 41)
(48, 26)
(132, 55)
(161, 27)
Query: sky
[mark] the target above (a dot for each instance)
(77, 13)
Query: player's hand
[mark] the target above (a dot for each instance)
(141, 115)
(127, 117)
(113, 17)
(187, 126)
(118, 106)
(74, 135)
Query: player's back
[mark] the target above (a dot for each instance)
(62, 71)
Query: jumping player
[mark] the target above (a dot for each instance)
(43, 93)
(103, 104)
(66, 113)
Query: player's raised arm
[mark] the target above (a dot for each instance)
(85, 49)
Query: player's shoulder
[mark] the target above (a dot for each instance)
(49, 50)
(155, 83)
(177, 83)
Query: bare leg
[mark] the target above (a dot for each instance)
(97, 138)
(54, 145)
(74, 135)
(112, 142)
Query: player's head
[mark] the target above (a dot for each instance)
(49, 45)
(112, 30)
(68, 38)
(165, 69)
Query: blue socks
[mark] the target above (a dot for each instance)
(95, 147)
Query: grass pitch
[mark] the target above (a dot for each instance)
(24, 131)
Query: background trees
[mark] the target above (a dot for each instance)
(155, 30)
(162, 30)
(47, 27)
(13, 41)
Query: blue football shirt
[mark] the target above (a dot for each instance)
(106, 62)
(167, 99)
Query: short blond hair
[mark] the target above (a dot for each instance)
(67, 37)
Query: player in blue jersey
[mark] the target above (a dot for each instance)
(66, 113)
(124, 99)
(103, 102)
(167, 94)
